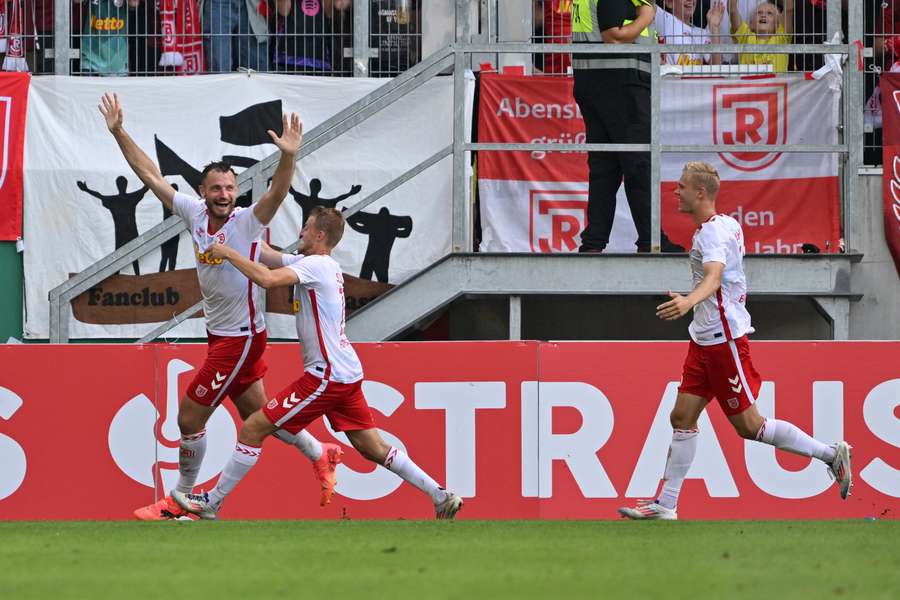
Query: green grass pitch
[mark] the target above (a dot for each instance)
(463, 559)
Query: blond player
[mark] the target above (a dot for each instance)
(718, 362)
(232, 305)
(331, 383)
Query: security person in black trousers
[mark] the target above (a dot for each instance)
(613, 93)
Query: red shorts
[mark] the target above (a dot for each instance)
(232, 365)
(724, 372)
(310, 397)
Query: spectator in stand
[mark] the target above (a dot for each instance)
(768, 26)
(553, 25)
(304, 35)
(236, 27)
(886, 40)
(673, 26)
(38, 35)
(104, 39)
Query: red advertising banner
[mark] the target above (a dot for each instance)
(890, 106)
(13, 107)
(537, 201)
(521, 430)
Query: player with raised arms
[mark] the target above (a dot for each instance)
(232, 305)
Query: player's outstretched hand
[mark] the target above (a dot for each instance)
(218, 250)
(674, 309)
(111, 109)
(291, 136)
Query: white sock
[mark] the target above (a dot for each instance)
(398, 462)
(190, 457)
(789, 437)
(681, 455)
(303, 441)
(242, 460)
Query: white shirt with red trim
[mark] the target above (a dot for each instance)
(723, 316)
(232, 304)
(327, 353)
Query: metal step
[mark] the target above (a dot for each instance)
(824, 277)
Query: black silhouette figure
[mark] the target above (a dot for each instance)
(382, 228)
(307, 203)
(245, 128)
(123, 207)
(169, 248)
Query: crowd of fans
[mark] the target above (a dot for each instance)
(152, 37)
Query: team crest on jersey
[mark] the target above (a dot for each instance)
(272, 404)
(200, 391)
(220, 237)
(733, 403)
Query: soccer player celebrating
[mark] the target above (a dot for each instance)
(331, 384)
(718, 360)
(232, 305)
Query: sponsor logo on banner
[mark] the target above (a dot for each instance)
(12, 456)
(156, 463)
(556, 219)
(750, 113)
(521, 430)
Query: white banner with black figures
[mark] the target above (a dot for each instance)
(82, 201)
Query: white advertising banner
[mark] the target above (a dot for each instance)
(82, 201)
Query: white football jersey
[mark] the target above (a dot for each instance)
(232, 304)
(723, 316)
(327, 353)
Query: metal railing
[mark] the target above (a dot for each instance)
(371, 38)
(461, 53)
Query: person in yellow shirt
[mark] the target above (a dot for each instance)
(768, 26)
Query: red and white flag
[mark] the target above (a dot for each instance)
(13, 109)
(182, 41)
(890, 98)
(15, 39)
(537, 201)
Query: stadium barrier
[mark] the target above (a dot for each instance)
(522, 430)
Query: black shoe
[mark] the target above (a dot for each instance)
(589, 250)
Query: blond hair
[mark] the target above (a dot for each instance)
(703, 175)
(330, 221)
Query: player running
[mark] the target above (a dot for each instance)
(232, 305)
(331, 384)
(718, 360)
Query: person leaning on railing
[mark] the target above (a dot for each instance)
(768, 26)
(613, 93)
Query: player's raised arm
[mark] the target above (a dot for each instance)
(255, 272)
(289, 144)
(140, 163)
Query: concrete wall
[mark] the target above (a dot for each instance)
(877, 315)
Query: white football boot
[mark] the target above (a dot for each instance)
(197, 504)
(449, 507)
(839, 469)
(648, 510)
